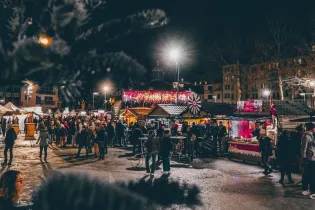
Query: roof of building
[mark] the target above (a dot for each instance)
(167, 110)
(291, 108)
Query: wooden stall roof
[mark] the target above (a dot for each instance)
(167, 110)
(136, 112)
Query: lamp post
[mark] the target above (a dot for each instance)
(303, 94)
(312, 84)
(93, 99)
(106, 88)
(174, 55)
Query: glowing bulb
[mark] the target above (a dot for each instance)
(266, 92)
(106, 88)
(174, 54)
(44, 40)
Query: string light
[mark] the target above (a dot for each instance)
(155, 96)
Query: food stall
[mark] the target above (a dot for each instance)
(132, 115)
(242, 144)
(166, 113)
(245, 147)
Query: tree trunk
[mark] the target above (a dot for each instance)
(280, 88)
(238, 87)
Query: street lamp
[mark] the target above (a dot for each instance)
(174, 55)
(93, 99)
(106, 89)
(267, 93)
(44, 40)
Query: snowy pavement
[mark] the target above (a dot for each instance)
(223, 184)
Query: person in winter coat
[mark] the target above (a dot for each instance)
(10, 137)
(285, 154)
(111, 133)
(136, 134)
(221, 134)
(73, 132)
(266, 150)
(83, 141)
(3, 126)
(165, 149)
(152, 146)
(43, 139)
(297, 137)
(308, 158)
(51, 131)
(102, 141)
(62, 133)
(120, 132)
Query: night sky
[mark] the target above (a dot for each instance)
(201, 23)
(195, 25)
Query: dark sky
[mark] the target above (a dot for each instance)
(203, 22)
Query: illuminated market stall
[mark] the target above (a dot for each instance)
(132, 115)
(242, 144)
(166, 113)
(151, 97)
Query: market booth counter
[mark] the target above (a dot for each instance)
(244, 149)
(30, 130)
(242, 145)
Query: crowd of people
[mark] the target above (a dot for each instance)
(298, 147)
(94, 133)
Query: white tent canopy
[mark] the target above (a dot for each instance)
(12, 107)
(66, 111)
(4, 110)
(37, 110)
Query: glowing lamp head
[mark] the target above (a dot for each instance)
(174, 54)
(266, 92)
(44, 41)
(106, 88)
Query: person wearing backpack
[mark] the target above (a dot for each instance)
(308, 159)
(10, 137)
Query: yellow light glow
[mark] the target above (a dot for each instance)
(44, 40)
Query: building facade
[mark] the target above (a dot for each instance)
(10, 94)
(39, 96)
(30, 96)
(241, 82)
(213, 93)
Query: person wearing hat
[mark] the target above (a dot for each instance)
(265, 149)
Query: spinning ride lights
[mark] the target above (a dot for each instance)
(194, 104)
